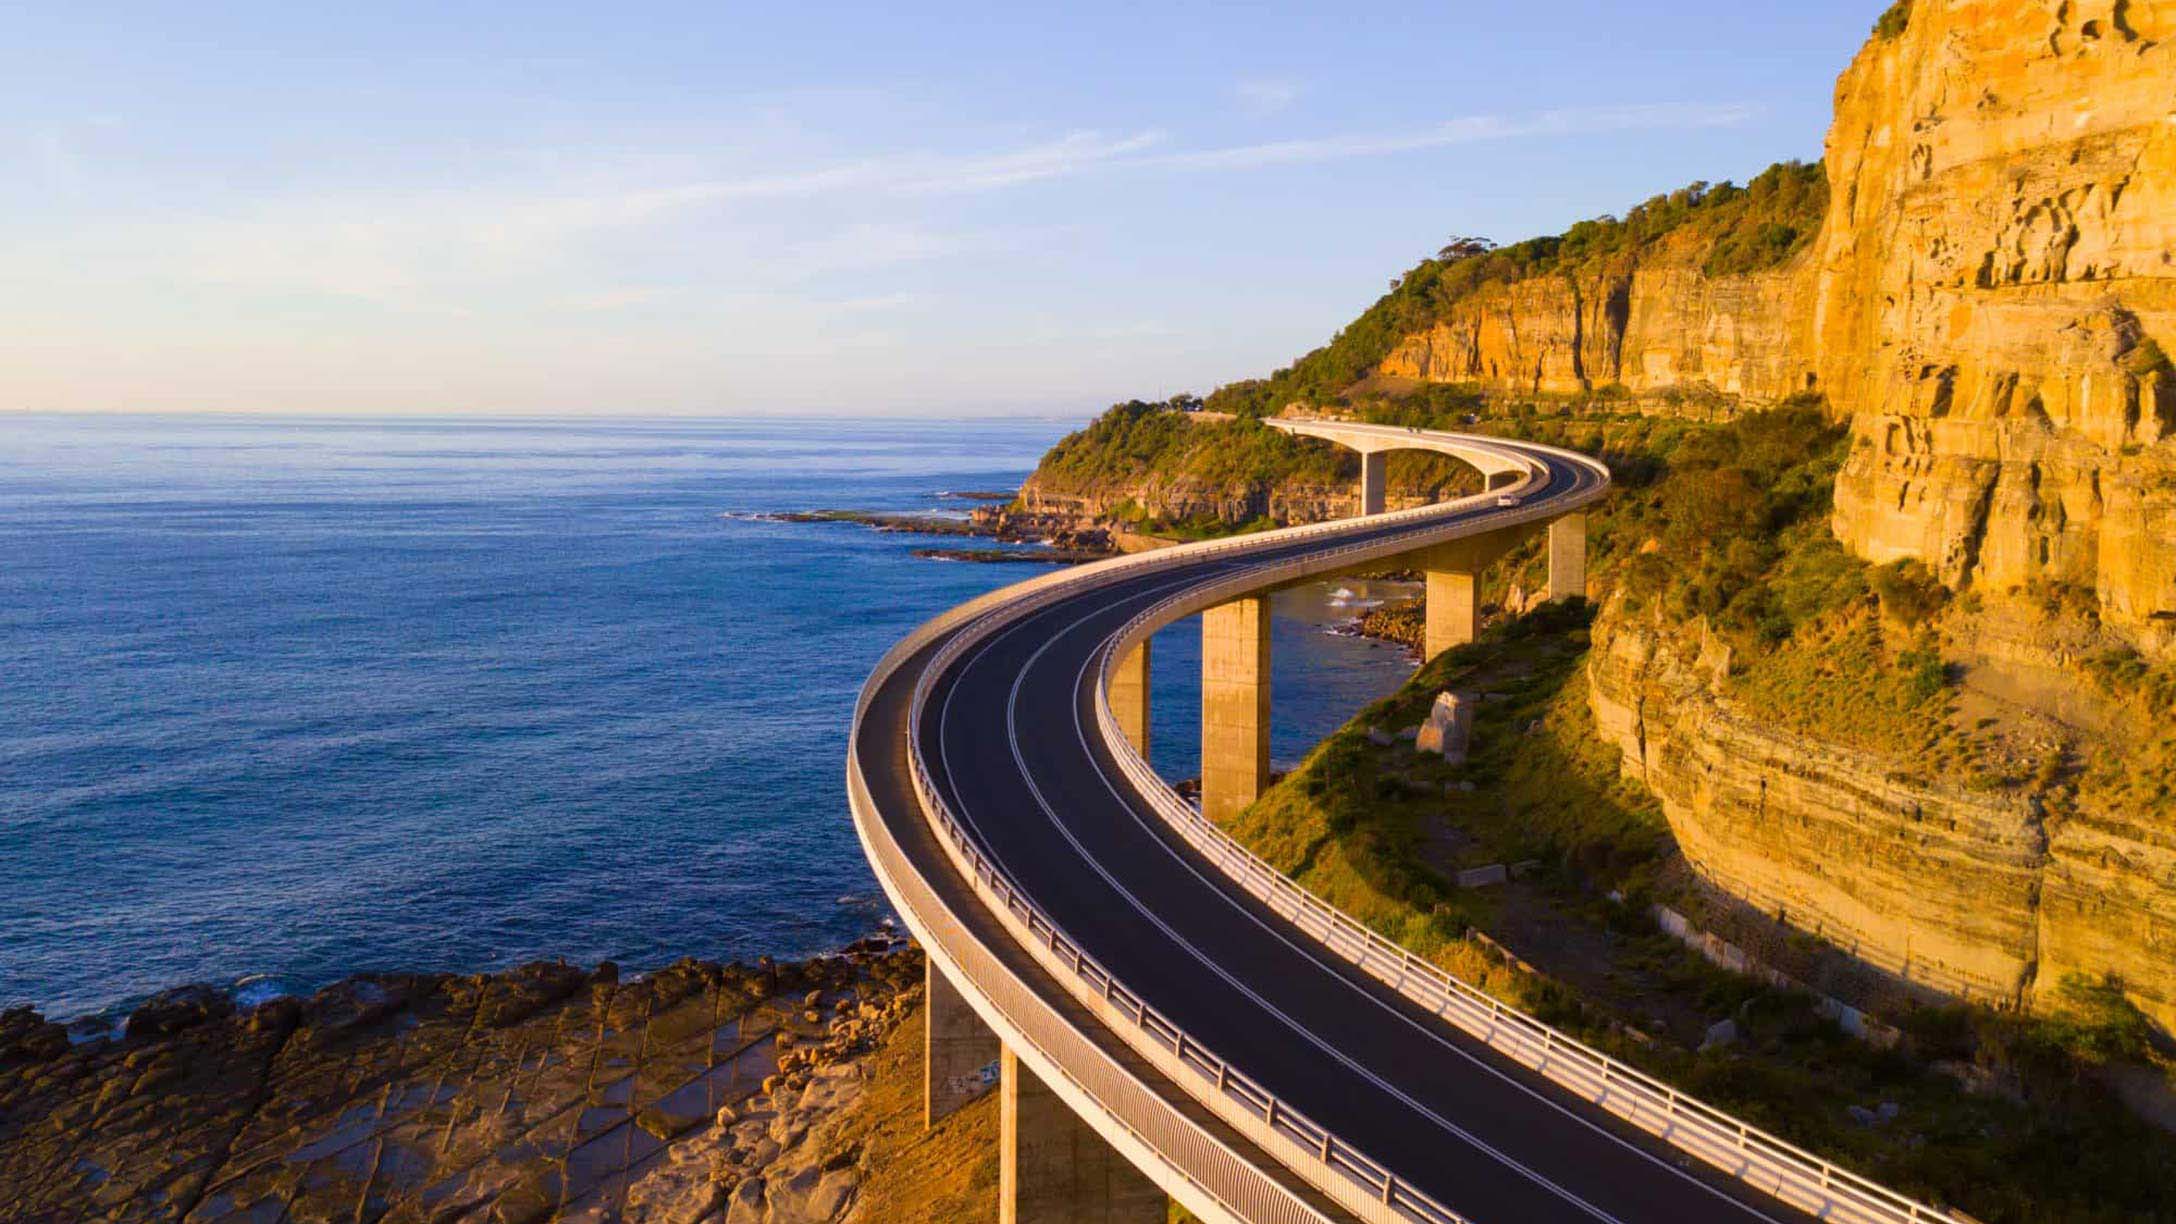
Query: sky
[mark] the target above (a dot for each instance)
(725, 208)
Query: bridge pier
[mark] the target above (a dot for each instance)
(1234, 705)
(960, 1055)
(1129, 696)
(1453, 610)
(1054, 1169)
(1568, 557)
(1374, 481)
(1452, 613)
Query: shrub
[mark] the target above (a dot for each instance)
(1926, 675)
(1910, 594)
(1892, 21)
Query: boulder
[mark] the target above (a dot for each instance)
(1449, 729)
(26, 1037)
(184, 1007)
(1720, 1033)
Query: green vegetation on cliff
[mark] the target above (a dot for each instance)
(1240, 466)
(1744, 229)
(1158, 468)
(1137, 440)
(1893, 19)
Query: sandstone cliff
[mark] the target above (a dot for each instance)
(1991, 894)
(1988, 304)
(1995, 285)
(1649, 321)
(1987, 299)
(1937, 884)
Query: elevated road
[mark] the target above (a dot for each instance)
(1178, 1009)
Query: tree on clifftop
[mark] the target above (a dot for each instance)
(1465, 247)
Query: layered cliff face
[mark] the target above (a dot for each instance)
(1648, 322)
(1936, 885)
(1996, 283)
(1977, 893)
(1990, 304)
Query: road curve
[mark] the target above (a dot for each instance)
(986, 723)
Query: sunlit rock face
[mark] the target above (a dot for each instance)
(1974, 893)
(1996, 288)
(1938, 885)
(1649, 322)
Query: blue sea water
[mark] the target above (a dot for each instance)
(282, 700)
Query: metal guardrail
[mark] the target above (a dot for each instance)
(1738, 1148)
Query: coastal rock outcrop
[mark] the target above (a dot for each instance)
(542, 1092)
(1990, 303)
(1936, 884)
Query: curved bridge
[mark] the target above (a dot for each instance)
(1165, 1014)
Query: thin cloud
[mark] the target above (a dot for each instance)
(1261, 97)
(1082, 153)
(521, 225)
(1468, 130)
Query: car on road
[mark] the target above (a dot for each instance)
(1507, 500)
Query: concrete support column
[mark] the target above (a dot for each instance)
(1568, 557)
(1234, 705)
(1453, 611)
(1129, 696)
(1054, 1169)
(960, 1055)
(1374, 481)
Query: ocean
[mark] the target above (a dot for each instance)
(284, 700)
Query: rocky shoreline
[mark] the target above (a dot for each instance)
(699, 1091)
(1046, 539)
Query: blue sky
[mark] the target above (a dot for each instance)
(728, 208)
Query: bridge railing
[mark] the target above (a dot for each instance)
(1727, 1143)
